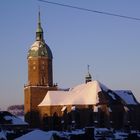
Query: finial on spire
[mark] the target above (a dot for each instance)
(88, 77)
(39, 20)
(88, 67)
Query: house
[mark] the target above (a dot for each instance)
(9, 122)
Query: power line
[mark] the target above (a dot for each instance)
(90, 10)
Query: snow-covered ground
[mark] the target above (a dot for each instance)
(2, 135)
(99, 133)
(37, 135)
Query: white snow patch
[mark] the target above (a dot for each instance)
(127, 96)
(75, 132)
(2, 135)
(99, 132)
(37, 135)
(126, 108)
(103, 87)
(95, 108)
(120, 135)
(15, 120)
(22, 118)
(34, 48)
(63, 108)
(84, 94)
(73, 108)
(112, 95)
(109, 109)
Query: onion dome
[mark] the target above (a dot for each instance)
(39, 47)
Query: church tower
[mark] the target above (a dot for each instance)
(40, 76)
(40, 61)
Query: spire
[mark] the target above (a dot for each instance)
(39, 21)
(88, 77)
(39, 32)
(88, 68)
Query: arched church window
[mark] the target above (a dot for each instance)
(43, 67)
(56, 122)
(46, 121)
(43, 62)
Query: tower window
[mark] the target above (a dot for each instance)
(34, 67)
(43, 67)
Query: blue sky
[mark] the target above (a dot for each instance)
(110, 45)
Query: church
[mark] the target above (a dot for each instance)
(92, 103)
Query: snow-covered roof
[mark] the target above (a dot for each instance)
(83, 94)
(14, 120)
(127, 96)
(87, 94)
(8, 118)
(40, 48)
(37, 135)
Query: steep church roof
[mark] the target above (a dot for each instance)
(39, 47)
(81, 94)
(89, 93)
